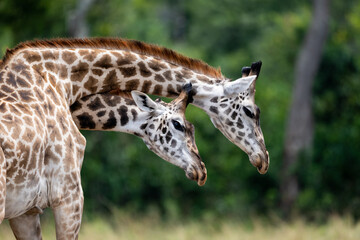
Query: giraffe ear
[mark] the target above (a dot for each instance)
(239, 85)
(144, 102)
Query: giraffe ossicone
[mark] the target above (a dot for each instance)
(162, 126)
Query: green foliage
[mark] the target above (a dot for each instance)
(26, 20)
(331, 175)
(119, 171)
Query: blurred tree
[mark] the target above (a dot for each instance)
(174, 17)
(76, 20)
(300, 128)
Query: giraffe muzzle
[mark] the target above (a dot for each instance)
(197, 173)
(261, 162)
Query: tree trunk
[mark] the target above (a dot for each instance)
(173, 14)
(300, 127)
(76, 22)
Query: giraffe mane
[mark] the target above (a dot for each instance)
(121, 44)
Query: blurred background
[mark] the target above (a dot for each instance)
(308, 93)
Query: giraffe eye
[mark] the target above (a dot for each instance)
(177, 125)
(248, 112)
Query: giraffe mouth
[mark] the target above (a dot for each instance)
(198, 174)
(261, 162)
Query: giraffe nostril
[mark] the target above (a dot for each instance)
(202, 165)
(190, 175)
(197, 173)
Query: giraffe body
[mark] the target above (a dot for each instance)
(43, 148)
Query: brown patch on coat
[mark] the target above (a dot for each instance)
(144, 71)
(88, 55)
(20, 176)
(31, 56)
(69, 57)
(124, 59)
(146, 86)
(167, 75)
(111, 100)
(83, 52)
(91, 84)
(104, 62)
(156, 65)
(97, 72)
(49, 55)
(39, 94)
(110, 81)
(10, 80)
(75, 90)
(132, 84)
(79, 71)
(50, 66)
(3, 107)
(6, 89)
(186, 73)
(95, 104)
(171, 91)
(179, 77)
(157, 90)
(63, 71)
(159, 78)
(58, 149)
(33, 157)
(128, 71)
(26, 96)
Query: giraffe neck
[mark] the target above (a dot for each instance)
(81, 72)
(108, 112)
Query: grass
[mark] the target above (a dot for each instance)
(125, 226)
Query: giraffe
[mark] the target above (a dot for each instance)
(41, 79)
(42, 149)
(162, 126)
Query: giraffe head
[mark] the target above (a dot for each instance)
(233, 111)
(167, 133)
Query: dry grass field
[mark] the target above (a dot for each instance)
(125, 226)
